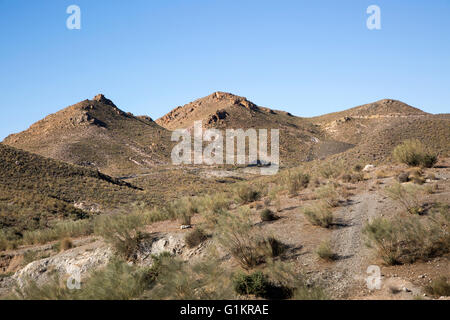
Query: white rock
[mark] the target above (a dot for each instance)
(368, 167)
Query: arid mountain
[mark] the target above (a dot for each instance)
(386, 108)
(35, 191)
(300, 139)
(97, 134)
(376, 128)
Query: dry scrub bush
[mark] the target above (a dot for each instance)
(248, 194)
(439, 287)
(183, 210)
(414, 153)
(297, 182)
(286, 280)
(329, 194)
(65, 244)
(121, 232)
(204, 280)
(409, 196)
(245, 242)
(332, 170)
(195, 238)
(319, 214)
(117, 281)
(410, 238)
(325, 252)
(267, 215)
(60, 230)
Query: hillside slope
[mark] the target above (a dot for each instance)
(35, 191)
(97, 134)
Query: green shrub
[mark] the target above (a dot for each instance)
(195, 237)
(328, 194)
(410, 238)
(267, 215)
(204, 280)
(65, 244)
(236, 234)
(121, 232)
(297, 182)
(414, 153)
(319, 214)
(275, 247)
(247, 194)
(256, 284)
(63, 229)
(325, 252)
(408, 196)
(439, 287)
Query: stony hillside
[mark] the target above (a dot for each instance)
(375, 129)
(97, 134)
(300, 139)
(34, 191)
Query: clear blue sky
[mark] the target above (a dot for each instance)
(149, 56)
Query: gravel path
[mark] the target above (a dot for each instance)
(349, 271)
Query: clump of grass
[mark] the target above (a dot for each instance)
(408, 196)
(414, 153)
(248, 194)
(235, 234)
(267, 215)
(204, 280)
(297, 182)
(65, 244)
(325, 252)
(275, 247)
(403, 177)
(195, 237)
(328, 194)
(116, 281)
(245, 242)
(60, 230)
(410, 238)
(319, 214)
(439, 287)
(121, 232)
(183, 210)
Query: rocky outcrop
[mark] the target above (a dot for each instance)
(82, 259)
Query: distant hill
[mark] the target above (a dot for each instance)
(299, 137)
(35, 191)
(97, 134)
(386, 108)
